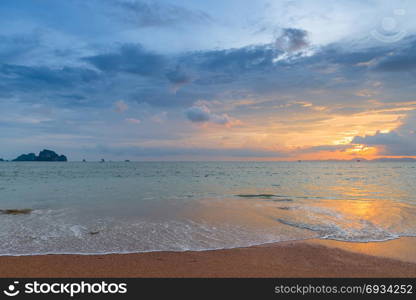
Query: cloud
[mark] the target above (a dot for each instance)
(392, 143)
(131, 58)
(198, 114)
(77, 61)
(178, 77)
(15, 46)
(228, 74)
(139, 75)
(399, 60)
(250, 58)
(65, 86)
(133, 121)
(292, 40)
(38, 77)
(201, 114)
(400, 142)
(150, 14)
(120, 106)
(233, 74)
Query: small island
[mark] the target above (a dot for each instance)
(44, 155)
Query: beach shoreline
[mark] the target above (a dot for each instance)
(306, 258)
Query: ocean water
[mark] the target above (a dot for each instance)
(121, 207)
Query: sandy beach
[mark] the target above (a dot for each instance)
(310, 258)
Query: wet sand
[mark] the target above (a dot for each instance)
(311, 258)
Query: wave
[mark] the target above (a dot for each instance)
(367, 232)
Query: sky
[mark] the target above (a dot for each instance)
(208, 80)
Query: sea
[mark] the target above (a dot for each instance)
(125, 207)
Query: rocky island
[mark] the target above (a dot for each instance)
(44, 155)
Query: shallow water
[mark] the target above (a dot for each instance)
(119, 207)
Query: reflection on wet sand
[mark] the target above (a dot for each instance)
(402, 249)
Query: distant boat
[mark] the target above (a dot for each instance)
(358, 160)
(127, 160)
(102, 160)
(84, 160)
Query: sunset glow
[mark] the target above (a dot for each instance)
(177, 81)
